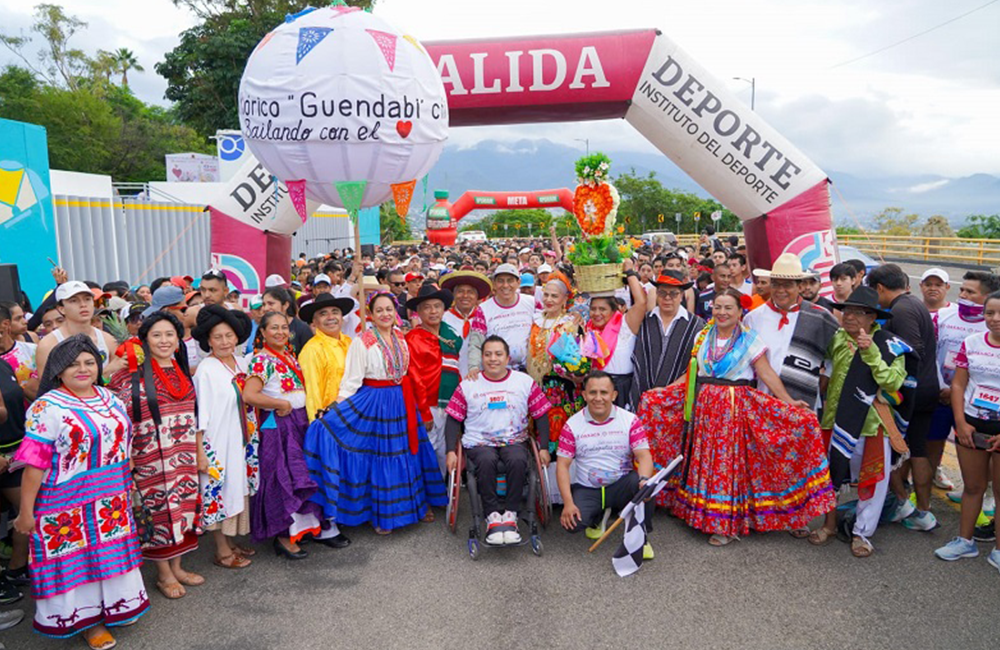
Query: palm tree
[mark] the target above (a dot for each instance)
(125, 61)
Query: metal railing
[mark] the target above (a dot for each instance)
(981, 252)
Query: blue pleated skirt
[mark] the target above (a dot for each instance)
(359, 456)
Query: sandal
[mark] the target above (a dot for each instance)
(429, 517)
(245, 551)
(861, 547)
(721, 540)
(192, 580)
(800, 533)
(102, 641)
(821, 536)
(382, 531)
(171, 590)
(232, 561)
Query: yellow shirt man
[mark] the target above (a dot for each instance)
(322, 360)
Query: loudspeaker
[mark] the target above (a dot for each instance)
(10, 283)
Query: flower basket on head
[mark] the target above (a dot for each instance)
(597, 258)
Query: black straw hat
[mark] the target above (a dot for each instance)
(866, 298)
(323, 300)
(430, 292)
(672, 278)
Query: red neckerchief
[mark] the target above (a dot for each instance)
(466, 321)
(784, 314)
(291, 363)
(176, 390)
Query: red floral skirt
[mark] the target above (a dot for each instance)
(752, 461)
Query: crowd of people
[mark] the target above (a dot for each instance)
(136, 420)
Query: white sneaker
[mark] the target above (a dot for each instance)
(921, 520)
(494, 528)
(10, 618)
(955, 496)
(511, 536)
(989, 502)
(905, 509)
(942, 481)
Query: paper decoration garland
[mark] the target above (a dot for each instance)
(412, 41)
(297, 193)
(351, 193)
(402, 194)
(310, 37)
(387, 43)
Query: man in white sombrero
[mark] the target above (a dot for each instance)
(796, 331)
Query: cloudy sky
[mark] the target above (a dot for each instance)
(927, 106)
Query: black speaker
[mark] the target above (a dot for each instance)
(10, 283)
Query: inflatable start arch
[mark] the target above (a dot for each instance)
(782, 197)
(443, 217)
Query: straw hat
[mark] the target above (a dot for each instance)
(786, 267)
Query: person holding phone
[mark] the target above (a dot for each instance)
(975, 401)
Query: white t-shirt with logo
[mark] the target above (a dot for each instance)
(982, 359)
(952, 331)
(513, 324)
(496, 412)
(602, 451)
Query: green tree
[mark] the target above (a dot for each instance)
(391, 227)
(981, 226)
(892, 221)
(124, 61)
(203, 72)
(644, 199)
(60, 64)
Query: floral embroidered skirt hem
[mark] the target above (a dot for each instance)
(359, 455)
(285, 487)
(112, 601)
(751, 461)
(235, 525)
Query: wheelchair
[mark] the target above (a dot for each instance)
(535, 507)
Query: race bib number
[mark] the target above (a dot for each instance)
(987, 397)
(497, 403)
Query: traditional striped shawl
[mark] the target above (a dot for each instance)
(800, 370)
(660, 360)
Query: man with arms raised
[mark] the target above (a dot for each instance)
(75, 301)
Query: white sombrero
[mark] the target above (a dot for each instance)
(786, 267)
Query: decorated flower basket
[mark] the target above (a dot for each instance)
(597, 258)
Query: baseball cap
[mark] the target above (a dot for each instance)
(181, 280)
(524, 251)
(322, 277)
(274, 280)
(527, 280)
(506, 269)
(413, 276)
(545, 268)
(215, 274)
(167, 295)
(70, 289)
(936, 273)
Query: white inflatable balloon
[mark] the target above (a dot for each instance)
(337, 94)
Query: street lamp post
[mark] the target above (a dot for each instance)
(586, 141)
(753, 89)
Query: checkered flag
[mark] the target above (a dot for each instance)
(628, 558)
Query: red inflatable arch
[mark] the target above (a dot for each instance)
(642, 76)
(443, 217)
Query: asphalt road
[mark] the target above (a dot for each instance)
(419, 589)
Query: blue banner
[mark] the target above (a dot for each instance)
(27, 215)
(370, 227)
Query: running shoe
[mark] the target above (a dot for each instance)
(922, 520)
(994, 559)
(904, 510)
(982, 520)
(989, 503)
(19, 577)
(985, 533)
(956, 549)
(647, 551)
(495, 527)
(942, 481)
(511, 536)
(955, 496)
(10, 618)
(8, 592)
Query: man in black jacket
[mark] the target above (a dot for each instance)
(912, 322)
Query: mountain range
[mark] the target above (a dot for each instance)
(543, 164)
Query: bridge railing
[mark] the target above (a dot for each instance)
(982, 252)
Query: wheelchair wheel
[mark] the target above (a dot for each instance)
(454, 488)
(543, 504)
(536, 545)
(473, 548)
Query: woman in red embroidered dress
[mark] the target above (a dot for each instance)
(161, 401)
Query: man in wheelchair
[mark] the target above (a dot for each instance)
(494, 409)
(606, 443)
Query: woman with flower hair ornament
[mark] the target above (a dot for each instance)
(751, 461)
